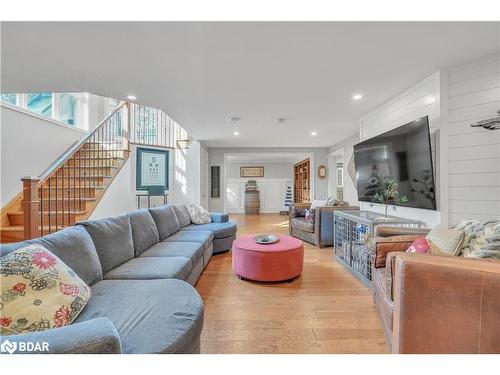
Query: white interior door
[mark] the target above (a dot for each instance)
(233, 196)
(274, 195)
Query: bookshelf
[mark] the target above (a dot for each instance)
(302, 181)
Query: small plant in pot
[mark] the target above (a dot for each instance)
(389, 195)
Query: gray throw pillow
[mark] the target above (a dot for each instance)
(144, 231)
(112, 239)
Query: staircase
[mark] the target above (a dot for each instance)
(69, 190)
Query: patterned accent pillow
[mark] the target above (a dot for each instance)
(309, 216)
(39, 291)
(330, 202)
(419, 246)
(198, 214)
(341, 204)
(298, 212)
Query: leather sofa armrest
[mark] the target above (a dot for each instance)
(446, 304)
(384, 245)
(96, 336)
(381, 231)
(218, 217)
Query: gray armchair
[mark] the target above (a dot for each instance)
(319, 232)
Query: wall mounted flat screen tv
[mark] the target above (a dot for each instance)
(403, 155)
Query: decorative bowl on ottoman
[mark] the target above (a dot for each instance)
(266, 239)
(278, 261)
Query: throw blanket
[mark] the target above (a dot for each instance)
(482, 240)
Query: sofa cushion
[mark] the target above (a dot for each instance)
(190, 250)
(38, 291)
(220, 230)
(166, 220)
(151, 316)
(112, 239)
(302, 224)
(152, 268)
(182, 213)
(204, 237)
(144, 231)
(74, 246)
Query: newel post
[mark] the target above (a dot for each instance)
(31, 204)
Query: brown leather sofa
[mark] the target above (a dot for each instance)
(434, 304)
(319, 233)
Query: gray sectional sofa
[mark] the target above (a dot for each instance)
(141, 267)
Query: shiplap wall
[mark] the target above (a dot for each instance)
(473, 93)
(419, 100)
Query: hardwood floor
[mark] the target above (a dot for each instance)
(326, 310)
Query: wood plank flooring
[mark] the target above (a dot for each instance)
(326, 310)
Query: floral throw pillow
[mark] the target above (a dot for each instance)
(39, 291)
(198, 214)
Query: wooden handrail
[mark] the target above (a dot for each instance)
(76, 146)
(49, 204)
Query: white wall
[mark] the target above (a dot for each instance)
(119, 197)
(29, 144)
(419, 100)
(271, 170)
(320, 155)
(186, 177)
(473, 93)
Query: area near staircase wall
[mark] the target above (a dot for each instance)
(184, 183)
(473, 168)
(29, 144)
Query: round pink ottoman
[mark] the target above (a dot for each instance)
(282, 260)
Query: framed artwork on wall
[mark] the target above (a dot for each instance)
(151, 168)
(251, 171)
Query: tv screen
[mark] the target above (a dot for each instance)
(399, 157)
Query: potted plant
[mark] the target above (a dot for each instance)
(389, 195)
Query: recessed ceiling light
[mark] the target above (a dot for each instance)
(131, 97)
(314, 133)
(234, 120)
(281, 120)
(236, 133)
(357, 97)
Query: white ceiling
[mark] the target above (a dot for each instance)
(202, 73)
